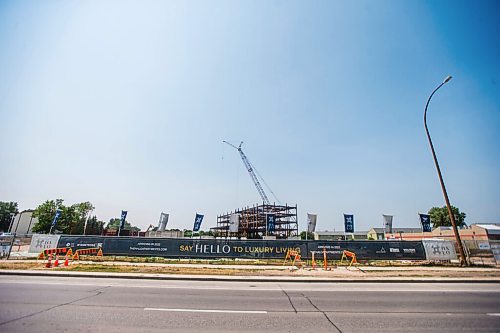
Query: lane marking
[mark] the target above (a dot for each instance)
(493, 314)
(205, 311)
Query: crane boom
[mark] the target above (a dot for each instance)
(249, 168)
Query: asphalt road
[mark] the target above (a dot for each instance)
(52, 304)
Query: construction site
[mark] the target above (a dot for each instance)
(266, 220)
(253, 222)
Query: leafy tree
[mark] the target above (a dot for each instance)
(45, 213)
(7, 210)
(115, 224)
(94, 227)
(71, 220)
(310, 235)
(441, 218)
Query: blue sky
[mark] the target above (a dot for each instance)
(125, 104)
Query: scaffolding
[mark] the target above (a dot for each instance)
(253, 222)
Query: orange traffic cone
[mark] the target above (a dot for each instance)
(76, 256)
(49, 262)
(56, 263)
(66, 262)
(313, 261)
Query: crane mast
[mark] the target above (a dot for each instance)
(249, 168)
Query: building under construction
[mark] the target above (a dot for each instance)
(254, 222)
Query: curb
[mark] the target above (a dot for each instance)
(298, 279)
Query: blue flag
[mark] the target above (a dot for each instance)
(56, 217)
(122, 220)
(270, 222)
(197, 222)
(426, 222)
(349, 223)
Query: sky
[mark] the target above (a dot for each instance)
(125, 104)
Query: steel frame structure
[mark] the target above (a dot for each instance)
(253, 222)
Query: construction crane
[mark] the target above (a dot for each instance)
(250, 170)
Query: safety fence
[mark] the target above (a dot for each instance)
(250, 249)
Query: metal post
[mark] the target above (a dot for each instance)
(463, 260)
(12, 218)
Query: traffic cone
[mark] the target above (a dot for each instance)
(49, 262)
(313, 263)
(66, 262)
(41, 256)
(70, 252)
(99, 254)
(56, 263)
(76, 256)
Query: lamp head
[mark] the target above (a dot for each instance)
(448, 78)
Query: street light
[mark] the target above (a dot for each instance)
(463, 260)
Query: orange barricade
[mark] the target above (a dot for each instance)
(352, 255)
(56, 251)
(94, 250)
(292, 254)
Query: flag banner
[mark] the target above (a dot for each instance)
(349, 223)
(270, 222)
(387, 223)
(197, 222)
(163, 221)
(122, 219)
(425, 219)
(311, 222)
(234, 223)
(56, 217)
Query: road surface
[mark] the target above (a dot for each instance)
(52, 304)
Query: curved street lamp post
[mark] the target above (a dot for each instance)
(463, 260)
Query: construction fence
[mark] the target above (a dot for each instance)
(479, 252)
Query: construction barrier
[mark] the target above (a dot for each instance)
(56, 251)
(95, 250)
(247, 249)
(325, 261)
(313, 262)
(292, 254)
(346, 254)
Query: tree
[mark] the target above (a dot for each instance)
(115, 224)
(71, 219)
(441, 218)
(45, 214)
(74, 217)
(94, 227)
(7, 211)
(310, 235)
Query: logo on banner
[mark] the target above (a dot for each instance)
(311, 222)
(349, 223)
(197, 222)
(56, 217)
(270, 222)
(387, 223)
(426, 222)
(122, 219)
(234, 223)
